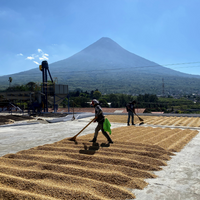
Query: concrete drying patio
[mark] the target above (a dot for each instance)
(180, 179)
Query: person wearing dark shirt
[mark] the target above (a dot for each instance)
(99, 118)
(131, 111)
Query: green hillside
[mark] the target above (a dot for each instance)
(112, 69)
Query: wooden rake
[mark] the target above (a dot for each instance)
(74, 138)
(142, 121)
(140, 118)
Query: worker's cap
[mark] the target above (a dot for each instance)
(94, 102)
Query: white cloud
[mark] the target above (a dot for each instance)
(30, 58)
(19, 54)
(36, 62)
(40, 56)
(44, 58)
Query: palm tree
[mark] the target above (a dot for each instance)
(10, 81)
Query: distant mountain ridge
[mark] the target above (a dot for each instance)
(105, 52)
(106, 66)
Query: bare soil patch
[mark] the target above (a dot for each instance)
(91, 109)
(52, 114)
(9, 119)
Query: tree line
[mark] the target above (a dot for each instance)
(150, 102)
(78, 98)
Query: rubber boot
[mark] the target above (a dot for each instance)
(93, 140)
(110, 141)
(107, 137)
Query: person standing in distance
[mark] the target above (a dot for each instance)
(130, 107)
(99, 117)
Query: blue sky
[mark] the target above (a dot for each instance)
(166, 32)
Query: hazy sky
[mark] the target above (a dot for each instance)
(164, 31)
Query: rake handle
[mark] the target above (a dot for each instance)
(74, 138)
(85, 127)
(137, 115)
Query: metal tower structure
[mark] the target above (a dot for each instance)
(45, 70)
